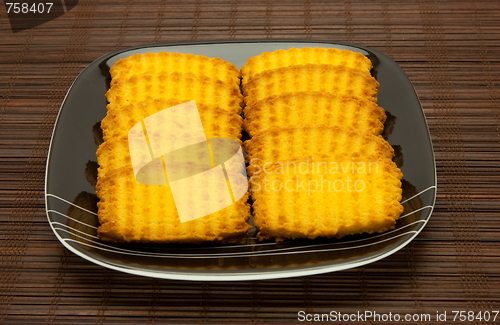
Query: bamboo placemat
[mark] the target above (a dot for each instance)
(450, 51)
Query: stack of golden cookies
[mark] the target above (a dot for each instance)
(318, 164)
(141, 86)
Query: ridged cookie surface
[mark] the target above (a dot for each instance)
(314, 109)
(199, 65)
(159, 178)
(331, 197)
(216, 121)
(334, 79)
(281, 144)
(133, 212)
(115, 153)
(183, 87)
(306, 55)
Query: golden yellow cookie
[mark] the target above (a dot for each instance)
(314, 109)
(133, 212)
(333, 197)
(281, 144)
(216, 121)
(199, 65)
(115, 153)
(332, 79)
(306, 55)
(183, 87)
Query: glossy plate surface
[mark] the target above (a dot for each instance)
(71, 169)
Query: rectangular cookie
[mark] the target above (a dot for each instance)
(183, 87)
(334, 79)
(216, 121)
(331, 197)
(280, 144)
(300, 56)
(130, 211)
(199, 65)
(301, 109)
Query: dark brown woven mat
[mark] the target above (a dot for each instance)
(450, 51)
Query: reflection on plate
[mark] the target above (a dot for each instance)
(71, 173)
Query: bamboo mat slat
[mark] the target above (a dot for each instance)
(450, 50)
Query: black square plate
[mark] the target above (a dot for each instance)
(71, 201)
